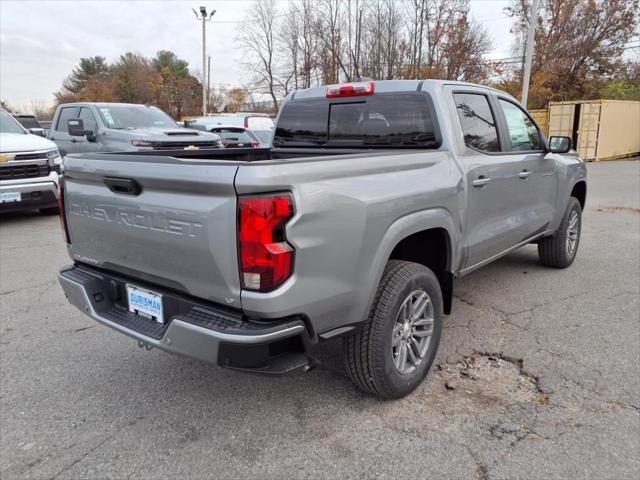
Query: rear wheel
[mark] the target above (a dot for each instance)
(393, 351)
(560, 250)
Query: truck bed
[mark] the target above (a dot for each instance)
(244, 154)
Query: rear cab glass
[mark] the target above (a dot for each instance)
(403, 119)
(28, 122)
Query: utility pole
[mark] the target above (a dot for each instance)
(208, 79)
(204, 18)
(528, 55)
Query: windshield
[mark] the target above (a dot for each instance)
(130, 117)
(8, 124)
(383, 120)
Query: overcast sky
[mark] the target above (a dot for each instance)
(41, 41)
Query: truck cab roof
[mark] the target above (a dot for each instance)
(391, 86)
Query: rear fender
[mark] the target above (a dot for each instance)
(399, 230)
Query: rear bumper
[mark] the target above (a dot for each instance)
(39, 192)
(195, 329)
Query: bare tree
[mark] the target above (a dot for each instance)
(289, 34)
(258, 37)
(41, 110)
(328, 41)
(578, 45)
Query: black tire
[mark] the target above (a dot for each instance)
(554, 251)
(49, 211)
(369, 353)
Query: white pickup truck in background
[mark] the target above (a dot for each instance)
(29, 167)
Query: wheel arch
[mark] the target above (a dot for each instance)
(406, 239)
(431, 248)
(579, 191)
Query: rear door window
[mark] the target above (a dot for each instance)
(477, 122)
(66, 114)
(383, 120)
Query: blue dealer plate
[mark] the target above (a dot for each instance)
(145, 303)
(10, 197)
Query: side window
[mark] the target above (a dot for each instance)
(89, 120)
(523, 133)
(66, 114)
(478, 124)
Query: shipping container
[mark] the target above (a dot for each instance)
(600, 129)
(541, 117)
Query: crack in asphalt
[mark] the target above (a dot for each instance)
(84, 455)
(47, 286)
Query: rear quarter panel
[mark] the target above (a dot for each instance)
(350, 212)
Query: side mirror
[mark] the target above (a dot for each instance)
(560, 144)
(76, 129)
(37, 131)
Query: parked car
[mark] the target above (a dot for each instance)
(374, 199)
(30, 123)
(233, 137)
(119, 127)
(28, 169)
(258, 123)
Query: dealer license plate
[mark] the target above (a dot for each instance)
(10, 197)
(145, 303)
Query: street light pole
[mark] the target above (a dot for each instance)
(204, 18)
(208, 79)
(528, 56)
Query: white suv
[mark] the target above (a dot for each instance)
(258, 123)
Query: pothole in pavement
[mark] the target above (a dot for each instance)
(490, 380)
(482, 386)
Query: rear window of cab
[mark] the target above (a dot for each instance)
(380, 120)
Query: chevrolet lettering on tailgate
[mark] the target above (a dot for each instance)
(136, 219)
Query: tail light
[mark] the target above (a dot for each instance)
(265, 257)
(351, 90)
(63, 215)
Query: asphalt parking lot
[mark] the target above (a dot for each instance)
(538, 377)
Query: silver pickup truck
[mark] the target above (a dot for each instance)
(88, 127)
(375, 197)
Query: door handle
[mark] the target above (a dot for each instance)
(524, 174)
(73, 140)
(481, 181)
(123, 186)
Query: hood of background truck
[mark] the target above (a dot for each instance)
(171, 135)
(18, 142)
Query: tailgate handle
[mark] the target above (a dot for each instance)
(124, 186)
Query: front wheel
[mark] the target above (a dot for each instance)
(560, 250)
(393, 351)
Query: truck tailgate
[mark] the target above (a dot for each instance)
(179, 231)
